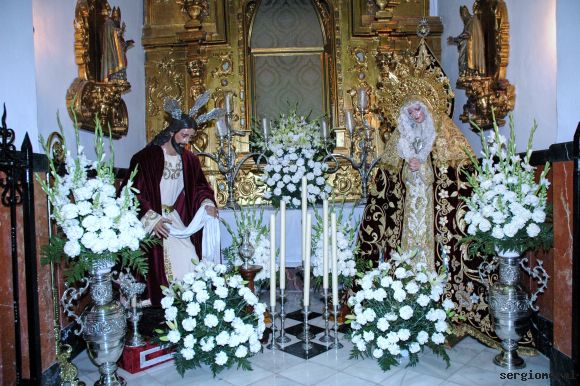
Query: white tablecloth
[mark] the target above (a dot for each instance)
(293, 228)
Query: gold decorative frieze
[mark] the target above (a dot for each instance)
(100, 51)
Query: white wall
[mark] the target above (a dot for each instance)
(568, 44)
(56, 69)
(17, 88)
(531, 68)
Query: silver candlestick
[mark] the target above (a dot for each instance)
(336, 344)
(326, 338)
(282, 338)
(225, 157)
(307, 334)
(131, 289)
(359, 130)
(273, 345)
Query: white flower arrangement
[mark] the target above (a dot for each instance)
(208, 319)
(347, 248)
(251, 219)
(507, 210)
(98, 226)
(294, 149)
(398, 311)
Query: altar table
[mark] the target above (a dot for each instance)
(293, 227)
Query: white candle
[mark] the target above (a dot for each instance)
(334, 260)
(323, 129)
(363, 99)
(307, 261)
(304, 210)
(282, 245)
(229, 100)
(265, 128)
(273, 261)
(325, 244)
(222, 127)
(349, 118)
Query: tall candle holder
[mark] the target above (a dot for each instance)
(326, 338)
(306, 334)
(273, 345)
(226, 156)
(282, 338)
(307, 346)
(359, 131)
(336, 344)
(131, 289)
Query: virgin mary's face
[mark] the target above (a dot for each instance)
(416, 113)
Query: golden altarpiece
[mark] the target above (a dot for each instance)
(197, 45)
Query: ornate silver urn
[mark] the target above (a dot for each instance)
(246, 250)
(102, 323)
(510, 306)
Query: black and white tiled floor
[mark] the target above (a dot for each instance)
(471, 364)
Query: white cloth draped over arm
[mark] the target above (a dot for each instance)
(210, 242)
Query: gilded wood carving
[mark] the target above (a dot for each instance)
(483, 58)
(100, 50)
(184, 57)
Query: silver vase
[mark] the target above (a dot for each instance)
(104, 327)
(510, 307)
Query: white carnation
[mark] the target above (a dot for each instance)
(167, 301)
(193, 309)
(423, 300)
(210, 320)
(406, 312)
(189, 324)
(377, 353)
(422, 337)
(72, 248)
(438, 338)
(187, 353)
(173, 336)
(241, 352)
(533, 230)
(221, 358)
